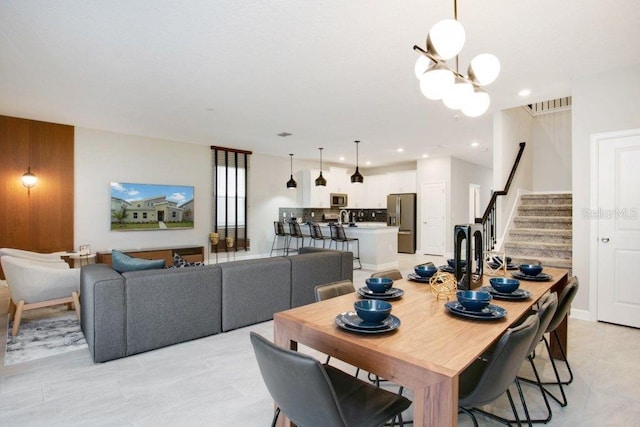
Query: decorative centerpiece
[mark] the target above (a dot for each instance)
(443, 285)
(496, 264)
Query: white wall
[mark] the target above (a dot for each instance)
(102, 157)
(551, 148)
(602, 103)
(510, 128)
(462, 174)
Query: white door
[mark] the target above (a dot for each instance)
(618, 223)
(433, 223)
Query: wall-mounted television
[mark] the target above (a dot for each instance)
(139, 207)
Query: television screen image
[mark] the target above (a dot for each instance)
(151, 207)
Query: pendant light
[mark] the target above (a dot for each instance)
(357, 176)
(320, 181)
(292, 184)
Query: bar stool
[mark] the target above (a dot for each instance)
(315, 233)
(338, 235)
(295, 233)
(278, 228)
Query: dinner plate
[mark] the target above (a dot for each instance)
(389, 294)
(447, 269)
(518, 294)
(417, 278)
(542, 277)
(351, 322)
(492, 312)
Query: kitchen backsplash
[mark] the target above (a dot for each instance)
(318, 214)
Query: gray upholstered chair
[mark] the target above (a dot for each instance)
(36, 284)
(564, 308)
(311, 394)
(393, 274)
(488, 378)
(333, 289)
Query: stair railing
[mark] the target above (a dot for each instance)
(489, 219)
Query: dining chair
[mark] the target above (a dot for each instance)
(564, 308)
(487, 378)
(279, 233)
(311, 394)
(393, 274)
(315, 233)
(546, 309)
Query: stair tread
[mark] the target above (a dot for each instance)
(551, 231)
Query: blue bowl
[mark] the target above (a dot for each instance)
(504, 285)
(424, 270)
(474, 300)
(531, 269)
(372, 310)
(452, 263)
(379, 284)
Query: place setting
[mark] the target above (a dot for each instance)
(371, 316)
(380, 288)
(532, 272)
(423, 273)
(475, 305)
(451, 265)
(507, 289)
(497, 262)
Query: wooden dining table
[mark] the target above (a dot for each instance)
(426, 353)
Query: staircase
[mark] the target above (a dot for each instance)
(542, 230)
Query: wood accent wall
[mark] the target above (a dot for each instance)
(43, 221)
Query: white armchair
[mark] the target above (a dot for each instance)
(36, 283)
(36, 256)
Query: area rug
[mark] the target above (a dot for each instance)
(48, 334)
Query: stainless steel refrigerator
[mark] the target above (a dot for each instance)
(401, 212)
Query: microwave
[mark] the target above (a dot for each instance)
(338, 200)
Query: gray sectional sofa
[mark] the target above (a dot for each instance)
(133, 312)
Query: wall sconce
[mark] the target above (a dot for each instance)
(29, 180)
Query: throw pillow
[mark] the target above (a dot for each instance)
(179, 262)
(122, 262)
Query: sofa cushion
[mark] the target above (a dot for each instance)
(122, 262)
(252, 290)
(310, 270)
(165, 307)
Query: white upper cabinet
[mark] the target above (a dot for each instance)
(402, 182)
(310, 196)
(340, 182)
(375, 189)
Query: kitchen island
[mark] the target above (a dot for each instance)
(378, 244)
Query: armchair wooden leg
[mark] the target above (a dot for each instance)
(17, 317)
(76, 303)
(12, 309)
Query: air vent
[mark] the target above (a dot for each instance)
(552, 106)
(285, 134)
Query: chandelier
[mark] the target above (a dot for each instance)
(440, 81)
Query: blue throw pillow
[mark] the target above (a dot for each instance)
(122, 263)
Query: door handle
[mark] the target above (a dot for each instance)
(605, 240)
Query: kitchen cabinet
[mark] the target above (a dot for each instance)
(402, 182)
(308, 194)
(375, 192)
(340, 182)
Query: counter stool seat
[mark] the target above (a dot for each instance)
(339, 236)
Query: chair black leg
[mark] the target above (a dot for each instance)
(470, 414)
(275, 417)
(562, 402)
(513, 408)
(564, 356)
(544, 395)
(524, 403)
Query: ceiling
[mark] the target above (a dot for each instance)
(237, 73)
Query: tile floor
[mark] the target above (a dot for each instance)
(215, 381)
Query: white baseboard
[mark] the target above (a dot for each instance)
(580, 314)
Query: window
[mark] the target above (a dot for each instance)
(135, 215)
(144, 215)
(230, 171)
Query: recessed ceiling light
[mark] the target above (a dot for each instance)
(425, 156)
(400, 150)
(368, 163)
(475, 143)
(524, 92)
(341, 158)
